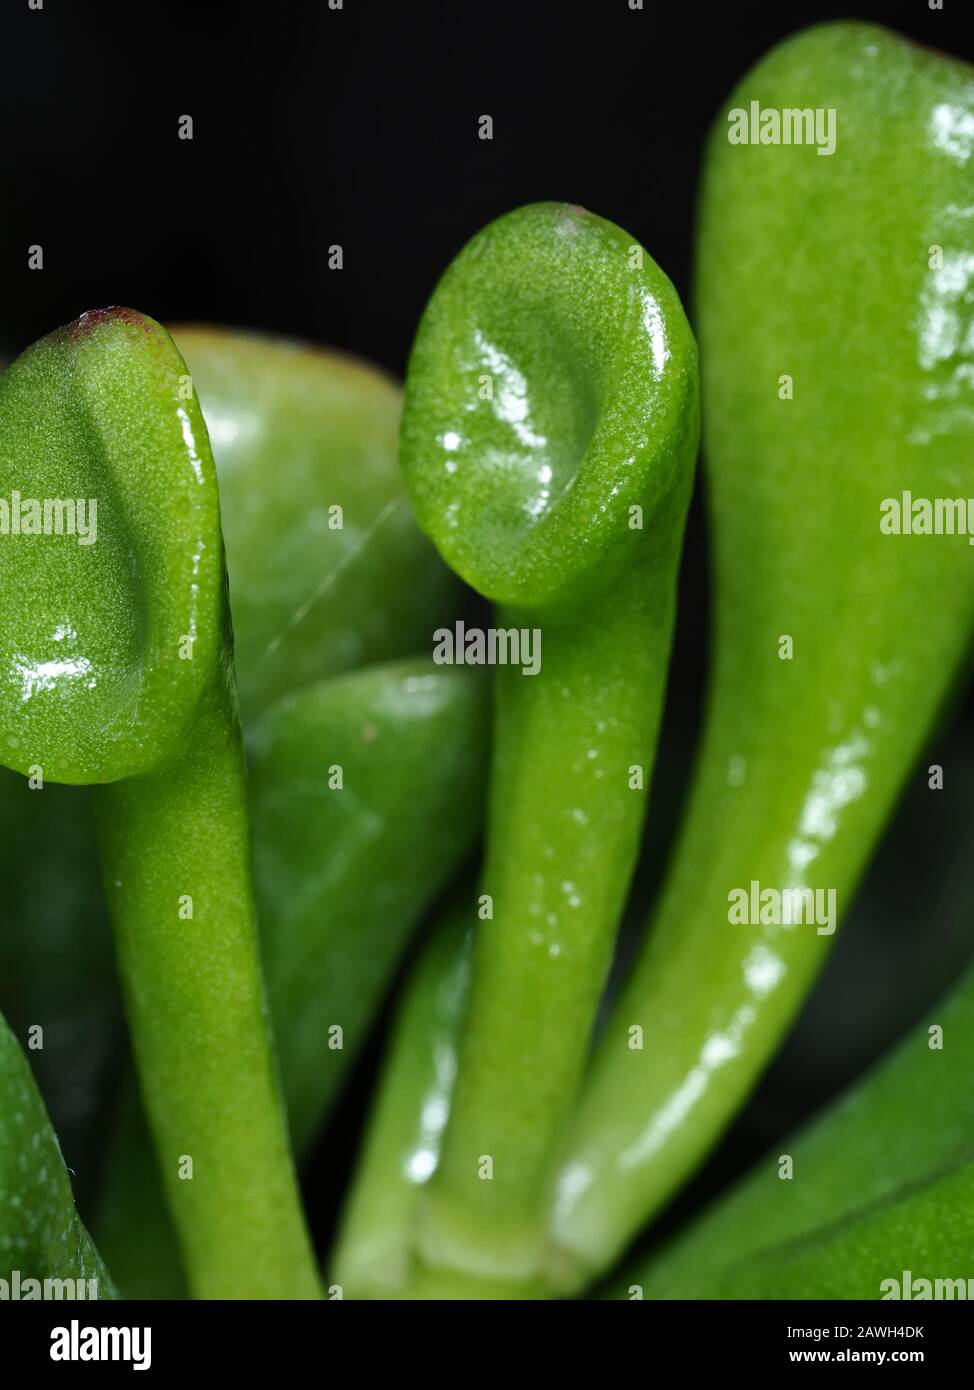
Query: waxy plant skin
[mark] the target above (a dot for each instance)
(339, 701)
(560, 493)
(410, 742)
(119, 673)
(830, 1234)
(824, 272)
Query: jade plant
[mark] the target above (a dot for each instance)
(548, 439)
(235, 691)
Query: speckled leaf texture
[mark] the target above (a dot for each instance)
(821, 269)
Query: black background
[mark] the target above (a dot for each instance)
(358, 127)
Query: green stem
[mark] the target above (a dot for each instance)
(411, 743)
(565, 821)
(187, 949)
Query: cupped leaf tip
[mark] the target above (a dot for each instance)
(112, 585)
(552, 389)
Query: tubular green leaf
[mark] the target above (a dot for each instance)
(118, 671)
(548, 440)
(838, 368)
